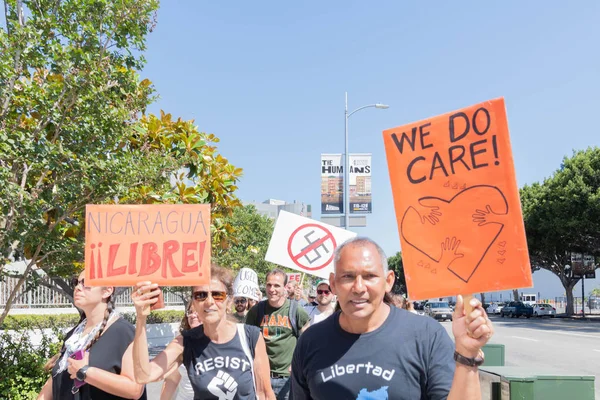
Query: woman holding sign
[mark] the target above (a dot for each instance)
(95, 361)
(224, 360)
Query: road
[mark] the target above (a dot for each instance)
(562, 345)
(566, 346)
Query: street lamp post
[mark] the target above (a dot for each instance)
(347, 158)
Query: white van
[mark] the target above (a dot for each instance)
(529, 299)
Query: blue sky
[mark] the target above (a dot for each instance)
(268, 78)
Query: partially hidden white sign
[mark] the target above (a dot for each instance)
(304, 244)
(246, 284)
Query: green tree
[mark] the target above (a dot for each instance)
(253, 233)
(395, 264)
(562, 215)
(73, 132)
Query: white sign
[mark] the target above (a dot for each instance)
(304, 244)
(294, 276)
(246, 284)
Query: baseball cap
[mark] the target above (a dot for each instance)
(323, 282)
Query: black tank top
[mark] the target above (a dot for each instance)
(105, 354)
(219, 371)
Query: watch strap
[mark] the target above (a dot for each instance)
(82, 373)
(470, 362)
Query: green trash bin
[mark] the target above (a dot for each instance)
(532, 383)
(494, 355)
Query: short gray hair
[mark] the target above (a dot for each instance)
(360, 241)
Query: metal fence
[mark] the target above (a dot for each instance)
(44, 297)
(592, 304)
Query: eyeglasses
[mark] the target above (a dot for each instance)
(76, 282)
(240, 301)
(325, 292)
(216, 295)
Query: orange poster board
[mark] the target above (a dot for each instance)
(457, 203)
(168, 244)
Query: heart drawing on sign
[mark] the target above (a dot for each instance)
(456, 233)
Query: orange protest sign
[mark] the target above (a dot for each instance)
(457, 203)
(168, 244)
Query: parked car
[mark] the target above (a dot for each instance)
(495, 308)
(541, 309)
(439, 310)
(515, 309)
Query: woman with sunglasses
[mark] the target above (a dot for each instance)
(95, 361)
(224, 360)
(177, 381)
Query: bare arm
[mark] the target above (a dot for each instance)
(123, 385)
(46, 392)
(262, 371)
(465, 384)
(144, 370)
(471, 331)
(169, 387)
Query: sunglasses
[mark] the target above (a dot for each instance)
(325, 292)
(216, 295)
(240, 301)
(76, 282)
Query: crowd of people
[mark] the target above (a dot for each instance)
(348, 338)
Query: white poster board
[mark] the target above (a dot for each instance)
(304, 244)
(246, 284)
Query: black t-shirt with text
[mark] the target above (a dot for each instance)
(409, 357)
(220, 371)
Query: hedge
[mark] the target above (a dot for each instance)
(44, 321)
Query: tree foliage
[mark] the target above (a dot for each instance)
(73, 131)
(253, 233)
(395, 264)
(562, 215)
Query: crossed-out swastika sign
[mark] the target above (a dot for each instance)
(311, 247)
(304, 244)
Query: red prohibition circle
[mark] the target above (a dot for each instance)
(295, 258)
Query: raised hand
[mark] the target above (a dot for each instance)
(143, 296)
(470, 331)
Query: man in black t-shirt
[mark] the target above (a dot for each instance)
(370, 350)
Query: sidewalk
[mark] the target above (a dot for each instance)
(578, 317)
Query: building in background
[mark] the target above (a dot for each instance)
(272, 207)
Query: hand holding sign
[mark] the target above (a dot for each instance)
(471, 330)
(144, 295)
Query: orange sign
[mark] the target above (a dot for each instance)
(166, 244)
(457, 203)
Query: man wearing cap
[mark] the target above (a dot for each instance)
(241, 309)
(324, 307)
(371, 350)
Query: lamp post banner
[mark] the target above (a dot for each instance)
(332, 184)
(360, 184)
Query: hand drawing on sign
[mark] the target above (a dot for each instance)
(315, 250)
(473, 218)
